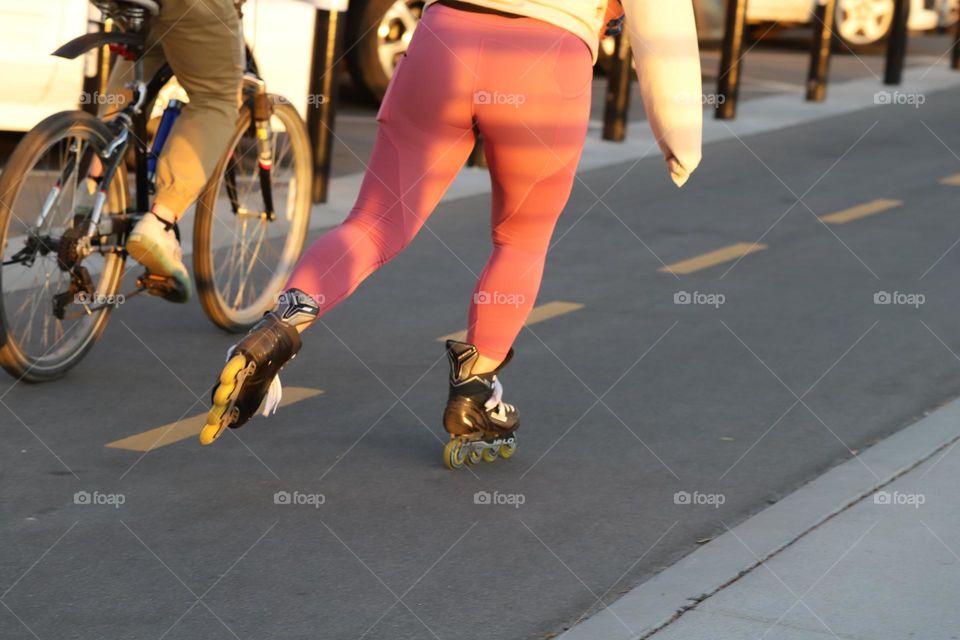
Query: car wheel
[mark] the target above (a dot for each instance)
(378, 34)
(863, 24)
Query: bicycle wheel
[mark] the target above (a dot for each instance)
(54, 275)
(243, 255)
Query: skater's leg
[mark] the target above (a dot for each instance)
(534, 121)
(533, 143)
(424, 138)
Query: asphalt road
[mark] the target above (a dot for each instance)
(626, 402)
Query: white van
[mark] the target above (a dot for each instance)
(36, 84)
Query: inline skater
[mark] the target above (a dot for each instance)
(521, 73)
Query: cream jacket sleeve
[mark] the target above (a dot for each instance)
(663, 36)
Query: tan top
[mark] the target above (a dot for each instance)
(663, 36)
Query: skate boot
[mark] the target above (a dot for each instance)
(480, 424)
(250, 377)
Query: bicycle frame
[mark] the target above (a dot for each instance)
(134, 117)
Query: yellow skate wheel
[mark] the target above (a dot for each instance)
(506, 450)
(222, 395)
(230, 370)
(210, 433)
(453, 454)
(474, 456)
(215, 424)
(489, 455)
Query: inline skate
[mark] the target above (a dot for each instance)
(480, 424)
(250, 378)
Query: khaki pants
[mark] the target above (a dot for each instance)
(203, 42)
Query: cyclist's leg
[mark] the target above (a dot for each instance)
(203, 41)
(534, 134)
(424, 138)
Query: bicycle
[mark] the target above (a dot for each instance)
(244, 245)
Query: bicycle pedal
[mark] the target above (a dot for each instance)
(165, 287)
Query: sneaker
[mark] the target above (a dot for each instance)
(153, 243)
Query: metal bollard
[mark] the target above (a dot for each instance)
(955, 63)
(897, 46)
(618, 91)
(822, 48)
(477, 157)
(328, 31)
(728, 85)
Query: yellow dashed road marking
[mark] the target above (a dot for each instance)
(861, 211)
(191, 427)
(538, 314)
(713, 258)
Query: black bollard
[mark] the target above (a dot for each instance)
(728, 86)
(329, 24)
(477, 157)
(820, 54)
(618, 91)
(897, 45)
(955, 63)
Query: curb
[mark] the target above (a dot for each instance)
(657, 603)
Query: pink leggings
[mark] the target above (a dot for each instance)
(525, 85)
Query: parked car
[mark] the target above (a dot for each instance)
(378, 34)
(860, 24)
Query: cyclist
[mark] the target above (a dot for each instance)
(203, 42)
(520, 73)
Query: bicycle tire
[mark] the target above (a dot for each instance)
(28, 152)
(227, 316)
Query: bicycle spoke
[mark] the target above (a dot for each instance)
(254, 254)
(253, 261)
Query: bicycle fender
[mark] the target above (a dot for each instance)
(79, 46)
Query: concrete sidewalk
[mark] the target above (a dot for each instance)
(869, 551)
